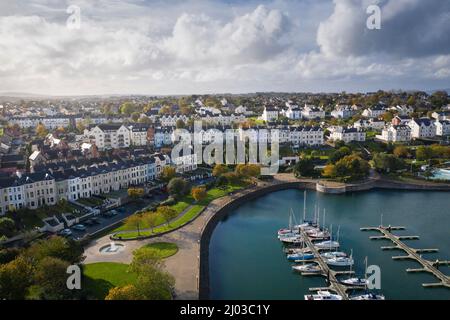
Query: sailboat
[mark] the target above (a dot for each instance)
(367, 295)
(310, 268)
(328, 244)
(355, 281)
(323, 295)
(340, 261)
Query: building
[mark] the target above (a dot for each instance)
(442, 115)
(139, 134)
(375, 111)
(46, 187)
(292, 112)
(422, 128)
(109, 136)
(270, 114)
(312, 112)
(343, 112)
(442, 127)
(398, 120)
(171, 120)
(395, 133)
(347, 134)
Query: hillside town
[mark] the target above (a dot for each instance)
(69, 149)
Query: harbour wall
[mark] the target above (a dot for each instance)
(256, 192)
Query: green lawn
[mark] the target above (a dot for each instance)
(99, 278)
(184, 203)
(161, 249)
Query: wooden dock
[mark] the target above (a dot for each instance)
(333, 284)
(412, 254)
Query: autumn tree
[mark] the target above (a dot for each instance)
(135, 193)
(220, 169)
(199, 193)
(128, 292)
(401, 152)
(151, 219)
(167, 213)
(134, 222)
(41, 130)
(168, 173)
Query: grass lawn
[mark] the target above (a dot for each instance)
(194, 211)
(161, 249)
(99, 278)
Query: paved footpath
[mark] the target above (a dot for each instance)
(184, 265)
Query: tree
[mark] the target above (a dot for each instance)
(153, 282)
(304, 168)
(339, 154)
(7, 226)
(50, 279)
(180, 124)
(151, 219)
(329, 171)
(388, 116)
(134, 221)
(128, 292)
(221, 181)
(232, 178)
(15, 278)
(401, 152)
(387, 162)
(177, 187)
(199, 194)
(135, 193)
(56, 247)
(127, 108)
(220, 169)
(248, 170)
(135, 116)
(424, 153)
(168, 173)
(41, 130)
(167, 213)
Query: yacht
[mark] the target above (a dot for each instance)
(368, 296)
(355, 282)
(310, 268)
(340, 261)
(328, 244)
(323, 295)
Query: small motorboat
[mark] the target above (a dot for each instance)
(355, 282)
(297, 250)
(310, 268)
(323, 295)
(292, 240)
(333, 254)
(368, 296)
(328, 244)
(340, 261)
(300, 256)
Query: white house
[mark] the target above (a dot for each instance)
(395, 133)
(312, 112)
(270, 114)
(374, 112)
(442, 127)
(342, 112)
(347, 134)
(108, 136)
(422, 128)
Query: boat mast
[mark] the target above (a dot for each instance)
(331, 237)
(323, 222)
(304, 207)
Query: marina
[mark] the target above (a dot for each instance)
(412, 254)
(260, 268)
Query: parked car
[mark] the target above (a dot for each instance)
(79, 227)
(65, 232)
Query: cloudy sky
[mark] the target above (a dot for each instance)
(195, 46)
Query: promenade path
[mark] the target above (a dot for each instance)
(184, 265)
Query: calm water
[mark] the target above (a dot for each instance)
(247, 260)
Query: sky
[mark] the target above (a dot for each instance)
(223, 46)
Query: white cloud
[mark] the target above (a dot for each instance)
(153, 46)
